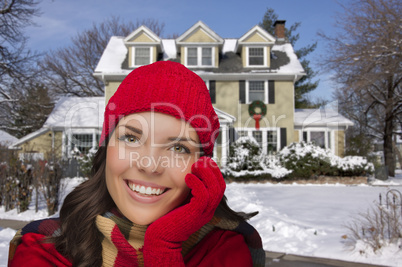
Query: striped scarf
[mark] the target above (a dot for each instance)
(123, 240)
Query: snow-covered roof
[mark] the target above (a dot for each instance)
(320, 118)
(169, 49)
(113, 57)
(229, 45)
(6, 138)
(77, 112)
(294, 66)
(283, 62)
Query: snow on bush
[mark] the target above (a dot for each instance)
(306, 159)
(247, 161)
(301, 160)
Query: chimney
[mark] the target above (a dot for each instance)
(280, 29)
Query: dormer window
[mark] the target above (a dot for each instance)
(199, 56)
(142, 56)
(256, 57)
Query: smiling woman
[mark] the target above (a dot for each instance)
(155, 198)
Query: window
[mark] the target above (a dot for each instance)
(319, 138)
(256, 56)
(207, 56)
(258, 137)
(200, 56)
(272, 141)
(142, 56)
(256, 91)
(267, 139)
(82, 142)
(192, 57)
(242, 133)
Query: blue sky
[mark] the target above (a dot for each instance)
(61, 20)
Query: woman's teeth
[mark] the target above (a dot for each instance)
(145, 190)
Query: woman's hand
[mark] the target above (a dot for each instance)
(164, 237)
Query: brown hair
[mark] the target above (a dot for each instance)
(80, 240)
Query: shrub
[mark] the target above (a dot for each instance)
(380, 226)
(246, 162)
(85, 162)
(307, 160)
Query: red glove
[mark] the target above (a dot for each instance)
(164, 237)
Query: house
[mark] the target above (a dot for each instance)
(256, 71)
(6, 138)
(74, 126)
(250, 79)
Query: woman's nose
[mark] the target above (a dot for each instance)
(150, 162)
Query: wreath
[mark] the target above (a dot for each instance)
(257, 107)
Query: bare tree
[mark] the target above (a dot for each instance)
(68, 71)
(15, 15)
(365, 59)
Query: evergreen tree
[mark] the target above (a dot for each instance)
(305, 84)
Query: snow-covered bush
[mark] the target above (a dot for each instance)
(307, 159)
(244, 155)
(85, 161)
(246, 162)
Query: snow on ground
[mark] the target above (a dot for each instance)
(295, 219)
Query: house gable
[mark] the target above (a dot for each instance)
(143, 47)
(142, 35)
(255, 48)
(200, 47)
(199, 32)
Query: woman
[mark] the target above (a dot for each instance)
(155, 197)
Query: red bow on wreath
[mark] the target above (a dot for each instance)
(257, 110)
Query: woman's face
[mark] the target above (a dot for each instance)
(148, 156)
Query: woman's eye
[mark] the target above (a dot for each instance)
(179, 149)
(128, 138)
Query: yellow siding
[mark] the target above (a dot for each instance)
(244, 55)
(43, 144)
(154, 54)
(278, 115)
(199, 36)
(340, 143)
(141, 38)
(255, 38)
(110, 89)
(296, 136)
(130, 56)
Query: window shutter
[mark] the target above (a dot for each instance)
(231, 135)
(242, 92)
(212, 91)
(283, 137)
(271, 92)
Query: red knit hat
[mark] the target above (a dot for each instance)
(167, 87)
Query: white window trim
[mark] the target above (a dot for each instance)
(199, 57)
(207, 84)
(67, 137)
(265, 90)
(265, 57)
(326, 130)
(264, 136)
(151, 51)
